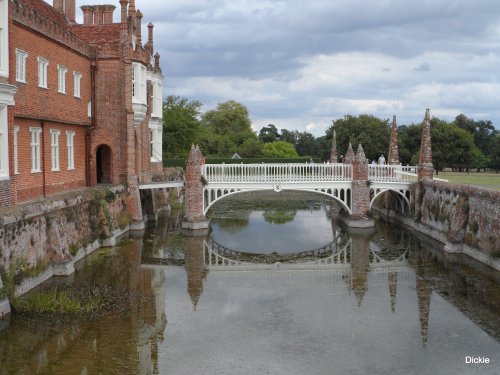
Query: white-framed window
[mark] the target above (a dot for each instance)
(139, 83)
(4, 146)
(61, 79)
(54, 149)
(70, 138)
(21, 65)
(16, 150)
(4, 38)
(156, 141)
(159, 143)
(35, 149)
(157, 99)
(43, 64)
(77, 78)
(153, 137)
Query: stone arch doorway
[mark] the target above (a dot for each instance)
(103, 164)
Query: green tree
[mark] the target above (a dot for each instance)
(251, 148)
(495, 152)
(452, 146)
(484, 133)
(372, 132)
(180, 125)
(269, 134)
(290, 136)
(279, 149)
(306, 144)
(409, 137)
(229, 124)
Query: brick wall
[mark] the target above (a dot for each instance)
(5, 193)
(35, 102)
(465, 214)
(29, 185)
(48, 109)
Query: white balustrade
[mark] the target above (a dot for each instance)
(309, 172)
(252, 173)
(392, 173)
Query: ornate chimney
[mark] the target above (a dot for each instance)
(139, 16)
(88, 14)
(123, 15)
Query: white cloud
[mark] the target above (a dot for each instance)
(301, 64)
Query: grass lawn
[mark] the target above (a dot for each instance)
(485, 179)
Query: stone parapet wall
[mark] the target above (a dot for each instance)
(466, 219)
(465, 214)
(54, 231)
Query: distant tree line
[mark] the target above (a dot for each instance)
(460, 144)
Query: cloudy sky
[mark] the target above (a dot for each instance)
(301, 64)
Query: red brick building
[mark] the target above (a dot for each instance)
(88, 98)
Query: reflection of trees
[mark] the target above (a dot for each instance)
(232, 225)
(279, 216)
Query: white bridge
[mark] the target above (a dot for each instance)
(333, 180)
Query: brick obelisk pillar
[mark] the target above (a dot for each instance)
(360, 188)
(425, 167)
(193, 192)
(333, 152)
(393, 156)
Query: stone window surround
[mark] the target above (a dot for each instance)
(70, 146)
(43, 64)
(54, 149)
(16, 150)
(77, 78)
(21, 57)
(35, 133)
(61, 79)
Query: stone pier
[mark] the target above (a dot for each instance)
(194, 218)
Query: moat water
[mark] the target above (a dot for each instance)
(304, 295)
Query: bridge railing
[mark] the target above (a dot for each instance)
(308, 172)
(392, 173)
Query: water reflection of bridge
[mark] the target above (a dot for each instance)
(337, 264)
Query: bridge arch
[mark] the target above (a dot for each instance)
(404, 196)
(216, 194)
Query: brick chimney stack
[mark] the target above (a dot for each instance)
(97, 15)
(88, 14)
(66, 7)
(157, 61)
(139, 16)
(131, 8)
(150, 36)
(107, 13)
(123, 15)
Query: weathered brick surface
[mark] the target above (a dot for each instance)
(393, 155)
(465, 214)
(425, 167)
(5, 193)
(46, 231)
(360, 199)
(194, 186)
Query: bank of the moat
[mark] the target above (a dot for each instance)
(394, 303)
